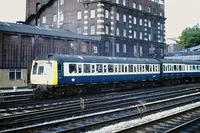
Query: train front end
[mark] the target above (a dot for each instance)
(43, 76)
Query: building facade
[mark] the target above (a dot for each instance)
(20, 44)
(128, 28)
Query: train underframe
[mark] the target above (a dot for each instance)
(66, 90)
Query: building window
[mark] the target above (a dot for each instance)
(140, 21)
(106, 14)
(124, 48)
(44, 19)
(79, 30)
(149, 10)
(141, 53)
(124, 32)
(107, 29)
(106, 46)
(38, 21)
(140, 7)
(117, 31)
(124, 17)
(55, 3)
(135, 50)
(134, 20)
(92, 29)
(117, 1)
(134, 5)
(79, 15)
(117, 16)
(124, 2)
(149, 37)
(149, 23)
(15, 74)
(135, 34)
(62, 2)
(117, 47)
(54, 18)
(140, 35)
(92, 13)
(61, 17)
(161, 14)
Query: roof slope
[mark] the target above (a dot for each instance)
(30, 29)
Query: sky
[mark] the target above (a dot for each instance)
(179, 13)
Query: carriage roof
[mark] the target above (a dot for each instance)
(96, 59)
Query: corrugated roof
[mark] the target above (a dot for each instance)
(30, 29)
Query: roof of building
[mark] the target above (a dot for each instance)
(38, 30)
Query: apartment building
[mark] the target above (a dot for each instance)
(127, 28)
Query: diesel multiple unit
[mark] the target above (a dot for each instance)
(72, 73)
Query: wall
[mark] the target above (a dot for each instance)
(6, 83)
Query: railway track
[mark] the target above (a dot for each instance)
(87, 121)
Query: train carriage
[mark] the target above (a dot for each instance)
(74, 73)
(75, 70)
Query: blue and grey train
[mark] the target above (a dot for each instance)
(74, 73)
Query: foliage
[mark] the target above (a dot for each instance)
(190, 37)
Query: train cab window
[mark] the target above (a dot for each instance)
(59, 68)
(86, 68)
(130, 68)
(93, 68)
(35, 66)
(99, 68)
(40, 70)
(110, 68)
(79, 68)
(105, 68)
(72, 68)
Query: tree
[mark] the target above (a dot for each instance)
(190, 37)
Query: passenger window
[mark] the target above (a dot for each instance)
(119, 68)
(79, 68)
(93, 68)
(125, 68)
(122, 68)
(135, 68)
(150, 68)
(110, 68)
(40, 70)
(116, 68)
(130, 67)
(86, 68)
(147, 68)
(99, 68)
(138, 68)
(35, 68)
(105, 68)
(72, 68)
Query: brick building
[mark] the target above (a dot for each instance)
(124, 27)
(20, 43)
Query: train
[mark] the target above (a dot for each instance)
(72, 74)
